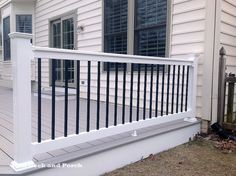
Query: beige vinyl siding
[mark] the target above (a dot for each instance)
(228, 32)
(188, 36)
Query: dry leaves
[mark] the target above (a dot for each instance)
(225, 145)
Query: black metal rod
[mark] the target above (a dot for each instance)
(186, 97)
(157, 91)
(88, 96)
(168, 90)
(144, 91)
(138, 92)
(53, 98)
(66, 98)
(107, 97)
(98, 94)
(177, 96)
(162, 89)
(131, 93)
(78, 97)
(39, 100)
(182, 91)
(173, 91)
(151, 87)
(116, 94)
(124, 92)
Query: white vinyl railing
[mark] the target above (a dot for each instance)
(22, 54)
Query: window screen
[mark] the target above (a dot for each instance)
(6, 39)
(24, 23)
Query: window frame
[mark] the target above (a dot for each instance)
(131, 29)
(31, 15)
(61, 18)
(8, 38)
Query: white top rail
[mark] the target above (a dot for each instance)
(65, 54)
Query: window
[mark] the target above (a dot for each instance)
(115, 33)
(146, 21)
(24, 23)
(6, 39)
(62, 36)
(150, 27)
(116, 13)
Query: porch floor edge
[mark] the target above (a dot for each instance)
(127, 139)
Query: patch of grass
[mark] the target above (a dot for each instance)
(196, 158)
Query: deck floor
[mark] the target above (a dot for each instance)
(6, 124)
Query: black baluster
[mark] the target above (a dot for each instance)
(163, 89)
(168, 90)
(39, 100)
(173, 91)
(124, 92)
(66, 98)
(138, 92)
(53, 98)
(107, 97)
(145, 91)
(182, 91)
(177, 96)
(116, 94)
(98, 93)
(78, 97)
(88, 96)
(131, 93)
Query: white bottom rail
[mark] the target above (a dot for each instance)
(74, 139)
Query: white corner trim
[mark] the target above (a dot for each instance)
(22, 166)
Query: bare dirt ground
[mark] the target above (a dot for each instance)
(207, 156)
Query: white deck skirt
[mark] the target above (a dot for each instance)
(117, 157)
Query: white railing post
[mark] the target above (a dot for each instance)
(21, 55)
(192, 90)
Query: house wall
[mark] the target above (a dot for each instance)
(12, 9)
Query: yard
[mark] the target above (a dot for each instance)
(201, 157)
